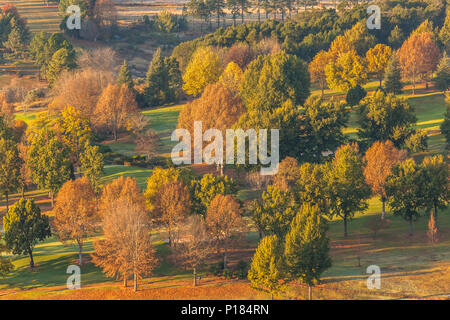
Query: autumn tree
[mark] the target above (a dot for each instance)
(114, 108)
(204, 68)
(347, 71)
(385, 117)
(316, 69)
(224, 222)
(75, 213)
(418, 57)
(49, 161)
(288, 174)
(378, 59)
(380, 158)
(196, 246)
(231, 77)
(126, 248)
(404, 191)
(346, 190)
(146, 139)
(207, 188)
(25, 227)
(172, 206)
(432, 231)
(266, 270)
(241, 54)
(307, 247)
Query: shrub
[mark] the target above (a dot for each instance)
(355, 95)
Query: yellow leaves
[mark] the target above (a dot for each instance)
(232, 76)
(378, 58)
(203, 69)
(348, 71)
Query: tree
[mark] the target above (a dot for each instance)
(127, 245)
(274, 212)
(5, 263)
(380, 158)
(224, 222)
(392, 77)
(115, 107)
(346, 190)
(172, 205)
(92, 165)
(49, 161)
(266, 270)
(231, 77)
(163, 81)
(307, 247)
(444, 33)
(270, 80)
(196, 246)
(124, 76)
(16, 43)
(62, 60)
(204, 68)
(317, 69)
(348, 71)
(442, 78)
(355, 95)
(145, 138)
(378, 59)
(386, 117)
(10, 164)
(436, 184)
(161, 177)
(288, 174)
(445, 126)
(360, 38)
(418, 57)
(404, 191)
(24, 227)
(207, 188)
(75, 212)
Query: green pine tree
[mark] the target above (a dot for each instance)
(124, 76)
(307, 247)
(267, 265)
(62, 60)
(392, 76)
(442, 79)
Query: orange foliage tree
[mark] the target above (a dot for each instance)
(224, 222)
(418, 57)
(75, 212)
(127, 245)
(380, 158)
(316, 69)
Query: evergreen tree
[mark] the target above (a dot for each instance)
(445, 126)
(62, 60)
(124, 76)
(266, 268)
(307, 247)
(393, 77)
(442, 79)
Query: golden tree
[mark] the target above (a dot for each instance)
(316, 69)
(288, 174)
(224, 222)
(6, 109)
(231, 77)
(196, 246)
(380, 158)
(75, 212)
(126, 248)
(172, 205)
(378, 59)
(116, 105)
(120, 188)
(347, 71)
(204, 68)
(418, 57)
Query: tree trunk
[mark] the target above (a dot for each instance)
(411, 226)
(195, 277)
(135, 282)
(80, 255)
(310, 292)
(345, 226)
(30, 254)
(52, 199)
(125, 280)
(435, 215)
(225, 253)
(383, 208)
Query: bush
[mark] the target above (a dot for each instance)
(241, 270)
(216, 269)
(228, 274)
(417, 142)
(355, 95)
